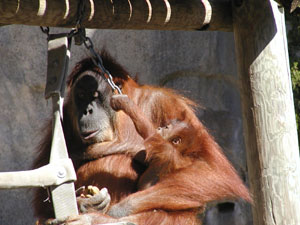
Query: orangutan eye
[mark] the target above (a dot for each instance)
(176, 140)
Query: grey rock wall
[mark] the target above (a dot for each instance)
(200, 65)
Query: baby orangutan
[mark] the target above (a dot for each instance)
(165, 152)
(167, 148)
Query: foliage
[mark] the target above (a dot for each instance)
(294, 53)
(295, 72)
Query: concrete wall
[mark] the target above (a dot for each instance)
(200, 65)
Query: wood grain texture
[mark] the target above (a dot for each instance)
(268, 111)
(120, 14)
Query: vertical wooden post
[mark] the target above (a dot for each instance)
(268, 111)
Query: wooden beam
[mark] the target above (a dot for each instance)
(120, 14)
(268, 111)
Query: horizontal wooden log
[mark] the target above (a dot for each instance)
(120, 14)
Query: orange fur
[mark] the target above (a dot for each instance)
(204, 174)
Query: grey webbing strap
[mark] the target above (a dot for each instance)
(63, 196)
(41, 177)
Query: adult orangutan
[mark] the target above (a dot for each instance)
(103, 145)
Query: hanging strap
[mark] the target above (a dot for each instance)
(59, 173)
(63, 196)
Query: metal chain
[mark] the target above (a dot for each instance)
(45, 30)
(80, 14)
(80, 37)
(97, 60)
